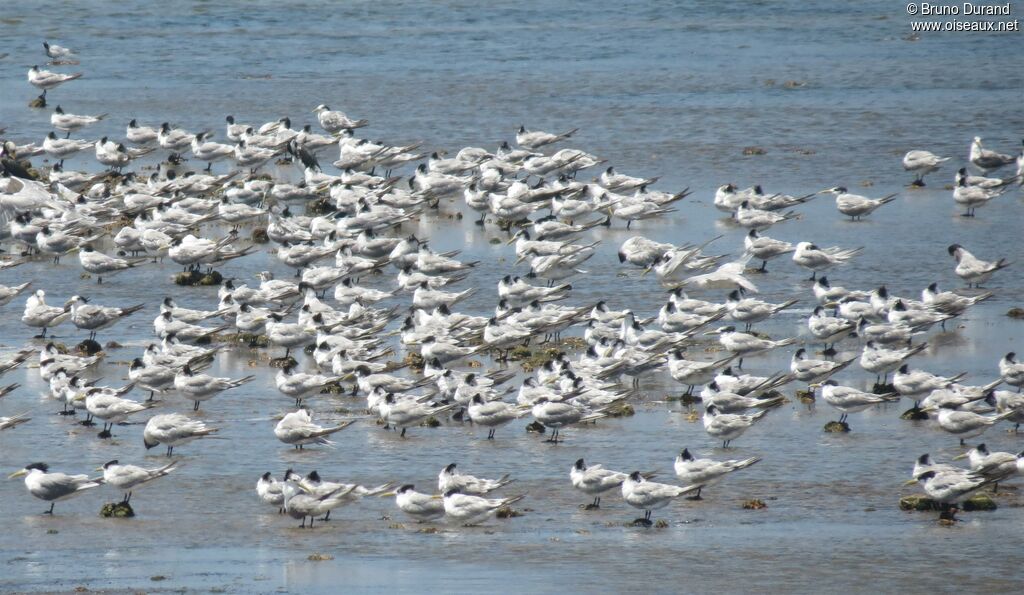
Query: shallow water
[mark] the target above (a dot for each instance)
(675, 90)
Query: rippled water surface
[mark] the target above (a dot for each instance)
(673, 89)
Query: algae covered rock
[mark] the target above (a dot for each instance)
(117, 510)
(837, 426)
(914, 414)
(979, 502)
(197, 279)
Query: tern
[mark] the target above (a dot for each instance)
(1011, 371)
(991, 465)
(764, 248)
(987, 160)
(128, 478)
(271, 491)
(297, 428)
(54, 487)
(744, 344)
(420, 506)
(816, 260)
(46, 80)
(706, 472)
(921, 163)
(965, 424)
(850, 400)
(649, 496)
(173, 429)
(972, 269)
(100, 264)
(202, 387)
(335, 121)
(450, 479)
(93, 318)
(948, 487)
(69, 123)
(471, 510)
(727, 426)
(856, 206)
(535, 139)
(595, 480)
(57, 52)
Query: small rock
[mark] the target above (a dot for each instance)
(623, 410)
(507, 512)
(158, 578)
(318, 557)
(754, 151)
(754, 504)
(37, 103)
(661, 524)
(259, 235)
(794, 84)
(805, 396)
(282, 362)
(429, 530)
(52, 531)
(431, 422)
(882, 389)
(837, 426)
(88, 347)
(113, 345)
(494, 241)
(919, 503)
(1015, 313)
(117, 510)
(979, 502)
(914, 414)
(536, 427)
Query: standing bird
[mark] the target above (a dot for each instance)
(46, 80)
(594, 480)
(856, 206)
(815, 259)
(922, 163)
(131, 477)
(173, 429)
(53, 487)
(764, 248)
(728, 426)
(202, 387)
(69, 123)
(297, 428)
(536, 138)
(57, 52)
(987, 160)
(705, 472)
(335, 121)
(472, 510)
(422, 507)
(649, 495)
(850, 400)
(972, 269)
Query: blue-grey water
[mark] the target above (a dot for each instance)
(834, 93)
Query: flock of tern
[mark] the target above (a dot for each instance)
(340, 312)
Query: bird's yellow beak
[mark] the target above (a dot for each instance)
(437, 497)
(17, 474)
(960, 457)
(386, 495)
(98, 469)
(713, 332)
(814, 386)
(910, 482)
(511, 241)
